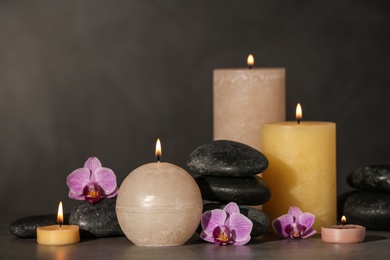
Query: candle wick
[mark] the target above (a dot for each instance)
(158, 158)
(299, 121)
(249, 66)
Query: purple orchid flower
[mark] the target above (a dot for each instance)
(226, 227)
(294, 224)
(92, 183)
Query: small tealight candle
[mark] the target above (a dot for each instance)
(58, 234)
(343, 234)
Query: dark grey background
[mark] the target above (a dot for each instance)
(106, 78)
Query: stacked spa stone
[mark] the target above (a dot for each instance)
(369, 205)
(226, 171)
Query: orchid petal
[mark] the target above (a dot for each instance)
(211, 219)
(231, 208)
(112, 194)
(241, 225)
(206, 237)
(281, 222)
(295, 212)
(77, 180)
(242, 242)
(105, 178)
(76, 196)
(306, 219)
(309, 233)
(92, 163)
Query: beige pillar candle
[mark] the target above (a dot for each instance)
(246, 98)
(302, 169)
(159, 204)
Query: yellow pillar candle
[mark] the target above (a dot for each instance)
(244, 99)
(302, 169)
(58, 234)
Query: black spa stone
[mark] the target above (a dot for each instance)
(243, 191)
(366, 208)
(227, 158)
(26, 227)
(259, 219)
(96, 220)
(371, 178)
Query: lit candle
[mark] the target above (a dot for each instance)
(246, 98)
(58, 234)
(343, 234)
(159, 204)
(302, 168)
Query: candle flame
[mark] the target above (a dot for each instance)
(343, 220)
(250, 61)
(60, 214)
(158, 150)
(298, 113)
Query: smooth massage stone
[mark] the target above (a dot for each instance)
(371, 178)
(227, 158)
(259, 219)
(26, 227)
(243, 191)
(366, 208)
(96, 220)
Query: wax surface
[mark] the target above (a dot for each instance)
(302, 169)
(159, 204)
(244, 99)
(56, 235)
(343, 235)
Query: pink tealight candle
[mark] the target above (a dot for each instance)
(343, 234)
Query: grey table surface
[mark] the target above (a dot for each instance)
(375, 246)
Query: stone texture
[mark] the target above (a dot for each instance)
(26, 227)
(227, 158)
(259, 219)
(366, 208)
(371, 178)
(243, 191)
(96, 220)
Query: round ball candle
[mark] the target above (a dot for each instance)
(343, 234)
(302, 168)
(58, 234)
(246, 98)
(159, 204)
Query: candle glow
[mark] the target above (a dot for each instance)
(158, 150)
(298, 113)
(250, 61)
(60, 214)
